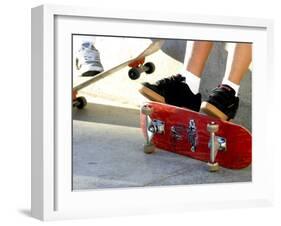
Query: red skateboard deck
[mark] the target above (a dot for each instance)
(196, 135)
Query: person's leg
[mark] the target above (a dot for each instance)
(196, 56)
(237, 65)
(182, 90)
(223, 101)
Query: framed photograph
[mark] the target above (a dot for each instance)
(113, 129)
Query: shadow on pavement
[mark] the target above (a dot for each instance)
(106, 114)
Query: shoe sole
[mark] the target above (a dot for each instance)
(90, 73)
(151, 95)
(212, 110)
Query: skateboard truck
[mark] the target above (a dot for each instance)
(152, 127)
(139, 67)
(79, 102)
(216, 144)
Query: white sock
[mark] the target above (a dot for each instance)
(192, 80)
(234, 86)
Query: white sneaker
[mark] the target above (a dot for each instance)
(88, 60)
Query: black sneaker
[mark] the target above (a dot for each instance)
(172, 90)
(222, 103)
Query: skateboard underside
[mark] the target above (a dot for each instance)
(186, 132)
(137, 66)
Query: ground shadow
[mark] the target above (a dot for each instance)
(25, 212)
(106, 114)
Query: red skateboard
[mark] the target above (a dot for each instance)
(195, 135)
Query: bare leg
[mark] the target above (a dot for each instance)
(197, 57)
(238, 62)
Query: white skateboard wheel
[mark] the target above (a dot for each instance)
(213, 167)
(146, 110)
(149, 148)
(212, 127)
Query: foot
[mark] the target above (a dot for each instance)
(222, 103)
(88, 60)
(173, 91)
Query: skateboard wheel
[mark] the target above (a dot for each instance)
(148, 148)
(212, 127)
(213, 167)
(81, 102)
(146, 110)
(134, 73)
(150, 68)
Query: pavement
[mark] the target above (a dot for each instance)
(107, 140)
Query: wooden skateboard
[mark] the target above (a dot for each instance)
(195, 135)
(137, 66)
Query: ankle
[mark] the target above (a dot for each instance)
(192, 80)
(232, 85)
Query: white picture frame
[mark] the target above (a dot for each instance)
(52, 197)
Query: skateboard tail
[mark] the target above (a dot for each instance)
(232, 162)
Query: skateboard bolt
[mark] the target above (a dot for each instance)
(152, 129)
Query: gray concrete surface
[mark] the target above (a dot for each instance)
(107, 141)
(108, 153)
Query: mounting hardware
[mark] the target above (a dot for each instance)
(213, 145)
(152, 127)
